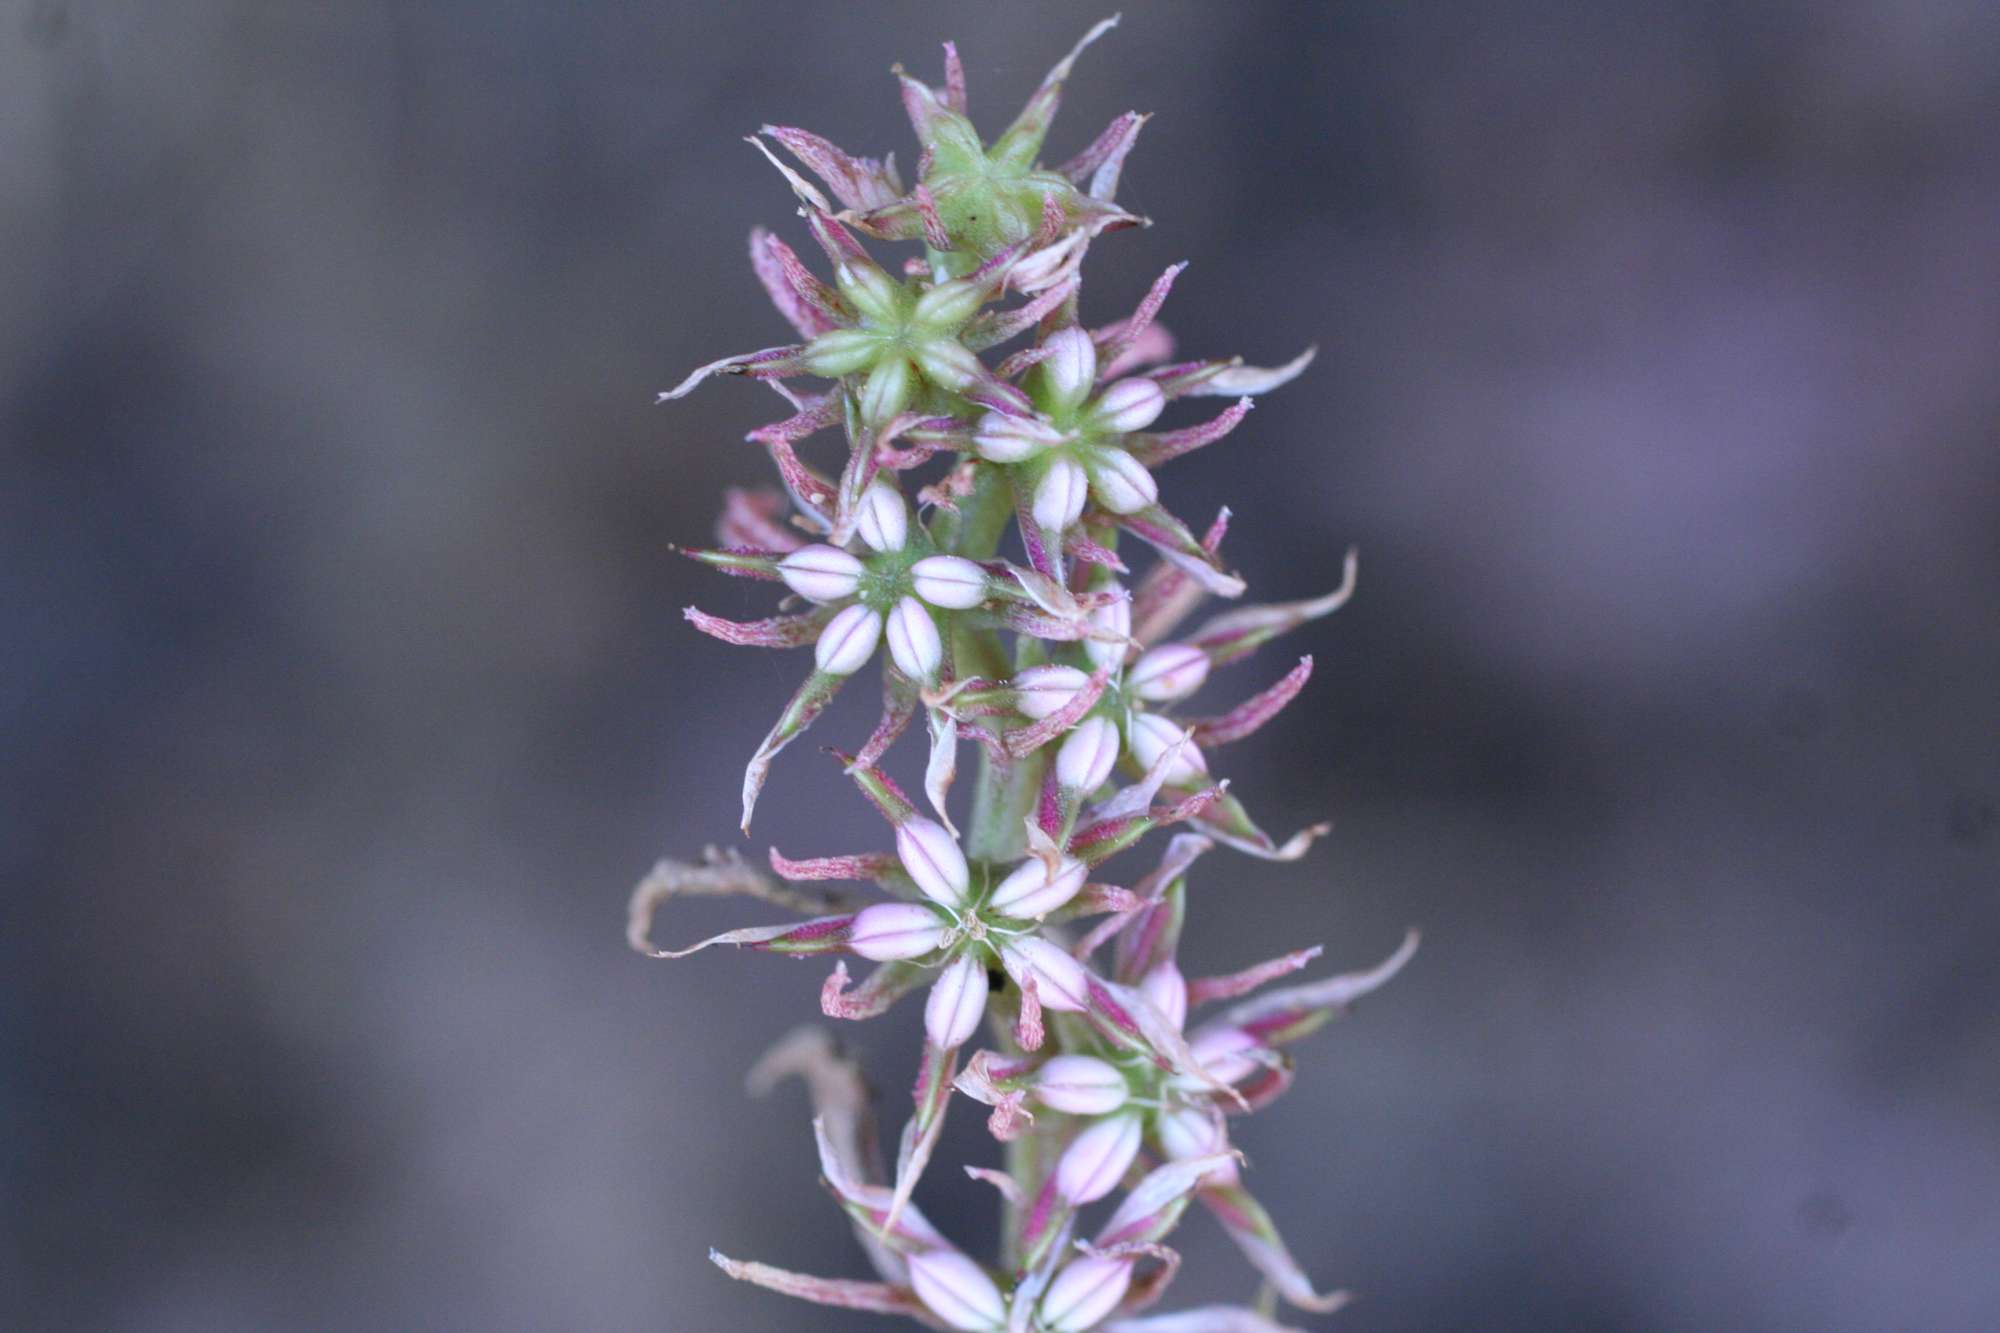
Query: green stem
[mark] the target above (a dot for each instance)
(1001, 797)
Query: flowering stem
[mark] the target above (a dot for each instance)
(1099, 1081)
(1002, 797)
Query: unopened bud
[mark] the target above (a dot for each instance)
(1097, 1159)
(949, 581)
(1087, 755)
(1128, 405)
(948, 363)
(957, 1291)
(957, 999)
(841, 352)
(1060, 981)
(873, 292)
(1070, 369)
(1152, 736)
(1170, 671)
(932, 857)
(914, 644)
(1032, 891)
(1166, 988)
(1085, 1293)
(948, 305)
(896, 930)
(887, 390)
(1060, 494)
(882, 519)
(1080, 1085)
(1000, 438)
(1041, 690)
(1121, 482)
(821, 573)
(848, 641)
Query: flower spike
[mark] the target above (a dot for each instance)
(977, 407)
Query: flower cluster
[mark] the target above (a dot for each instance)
(1097, 1075)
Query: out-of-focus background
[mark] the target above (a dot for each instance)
(346, 690)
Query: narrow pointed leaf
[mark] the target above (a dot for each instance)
(857, 182)
(1101, 163)
(755, 519)
(899, 706)
(808, 305)
(720, 874)
(771, 363)
(1250, 715)
(827, 934)
(1113, 340)
(1023, 139)
(1257, 1236)
(1154, 1206)
(1207, 990)
(932, 1096)
(1176, 545)
(1166, 595)
(1225, 820)
(873, 997)
(804, 707)
(842, 1293)
(1163, 446)
(1286, 1015)
(742, 562)
(1235, 633)
(794, 631)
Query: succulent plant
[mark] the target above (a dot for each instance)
(1097, 1078)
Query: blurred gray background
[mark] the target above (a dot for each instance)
(347, 692)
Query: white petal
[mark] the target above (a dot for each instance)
(1121, 482)
(1115, 617)
(1060, 981)
(1071, 369)
(1060, 494)
(1087, 754)
(1031, 892)
(1170, 671)
(1227, 1053)
(1097, 1159)
(949, 581)
(1001, 438)
(848, 641)
(1129, 405)
(1190, 1131)
(1084, 1293)
(914, 644)
(882, 519)
(1167, 989)
(956, 1002)
(957, 1291)
(1152, 736)
(1080, 1085)
(932, 857)
(1041, 690)
(820, 573)
(896, 930)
